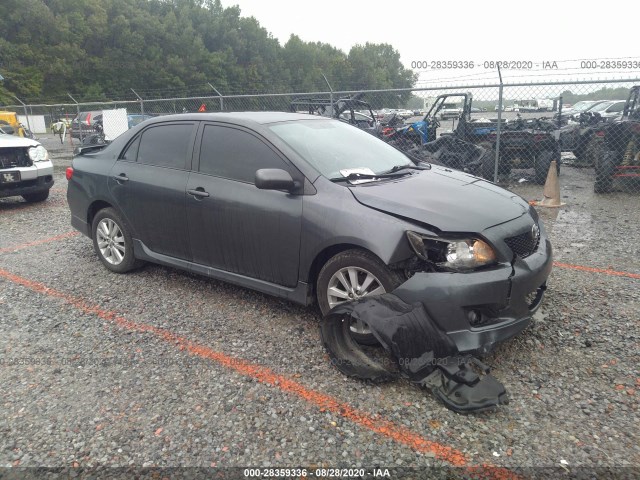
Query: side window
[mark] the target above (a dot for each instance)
(235, 154)
(165, 145)
(618, 107)
(131, 152)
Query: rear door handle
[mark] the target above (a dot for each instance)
(121, 178)
(198, 193)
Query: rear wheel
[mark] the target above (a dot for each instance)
(112, 241)
(36, 197)
(351, 275)
(605, 166)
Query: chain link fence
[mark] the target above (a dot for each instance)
(502, 132)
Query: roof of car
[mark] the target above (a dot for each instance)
(242, 117)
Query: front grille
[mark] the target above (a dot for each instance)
(14, 157)
(534, 298)
(524, 244)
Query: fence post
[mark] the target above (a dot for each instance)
(24, 106)
(78, 110)
(495, 167)
(141, 102)
(219, 95)
(560, 111)
(330, 92)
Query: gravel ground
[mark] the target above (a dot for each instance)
(92, 384)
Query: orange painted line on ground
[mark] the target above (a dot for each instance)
(39, 242)
(265, 375)
(606, 271)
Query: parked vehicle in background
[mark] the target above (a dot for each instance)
(450, 110)
(10, 124)
(25, 169)
(84, 123)
(348, 109)
(536, 105)
(528, 143)
(313, 210)
(609, 110)
(134, 119)
(578, 137)
(471, 146)
(619, 157)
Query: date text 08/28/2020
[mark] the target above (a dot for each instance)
(612, 64)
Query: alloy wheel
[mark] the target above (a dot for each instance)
(110, 241)
(352, 283)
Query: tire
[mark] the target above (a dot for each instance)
(543, 163)
(487, 162)
(363, 264)
(592, 152)
(113, 243)
(36, 197)
(605, 167)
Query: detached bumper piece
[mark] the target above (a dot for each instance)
(457, 384)
(422, 353)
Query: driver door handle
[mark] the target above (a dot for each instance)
(198, 193)
(121, 178)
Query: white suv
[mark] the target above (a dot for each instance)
(25, 169)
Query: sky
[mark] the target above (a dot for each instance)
(558, 31)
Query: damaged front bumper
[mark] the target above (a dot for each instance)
(423, 354)
(477, 310)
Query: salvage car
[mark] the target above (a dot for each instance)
(25, 169)
(10, 124)
(618, 156)
(84, 123)
(313, 209)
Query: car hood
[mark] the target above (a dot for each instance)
(13, 141)
(449, 200)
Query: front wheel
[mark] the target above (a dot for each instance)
(36, 197)
(112, 241)
(351, 275)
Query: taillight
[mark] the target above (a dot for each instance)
(388, 131)
(69, 173)
(88, 119)
(538, 138)
(600, 133)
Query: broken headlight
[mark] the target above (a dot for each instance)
(453, 254)
(38, 154)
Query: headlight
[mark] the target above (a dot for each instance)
(454, 254)
(38, 154)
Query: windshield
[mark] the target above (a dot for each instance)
(330, 146)
(581, 106)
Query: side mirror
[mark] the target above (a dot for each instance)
(274, 179)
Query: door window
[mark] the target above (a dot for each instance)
(131, 152)
(166, 145)
(235, 154)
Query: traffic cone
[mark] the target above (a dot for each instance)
(551, 191)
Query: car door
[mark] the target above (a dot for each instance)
(233, 225)
(148, 183)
